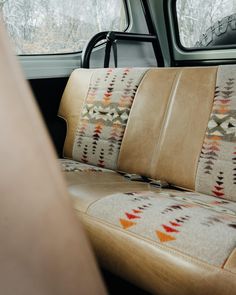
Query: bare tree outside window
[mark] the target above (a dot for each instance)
(196, 16)
(59, 26)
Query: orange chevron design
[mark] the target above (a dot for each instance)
(126, 223)
(164, 237)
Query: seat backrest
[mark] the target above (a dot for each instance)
(174, 114)
(100, 116)
(43, 247)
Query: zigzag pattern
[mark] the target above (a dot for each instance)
(222, 124)
(101, 162)
(81, 132)
(96, 136)
(192, 230)
(218, 189)
(93, 90)
(104, 116)
(209, 154)
(115, 138)
(217, 158)
(134, 214)
(234, 163)
(223, 97)
(178, 222)
(84, 158)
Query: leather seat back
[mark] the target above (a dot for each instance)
(167, 124)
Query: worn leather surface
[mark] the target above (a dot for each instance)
(167, 123)
(145, 121)
(43, 247)
(177, 152)
(71, 104)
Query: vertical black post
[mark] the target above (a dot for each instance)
(152, 31)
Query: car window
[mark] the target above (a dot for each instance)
(206, 23)
(59, 26)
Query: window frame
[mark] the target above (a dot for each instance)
(177, 34)
(179, 56)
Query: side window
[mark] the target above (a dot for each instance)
(59, 26)
(206, 23)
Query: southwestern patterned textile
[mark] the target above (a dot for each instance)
(104, 116)
(216, 173)
(197, 225)
(74, 166)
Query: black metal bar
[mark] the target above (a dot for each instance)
(152, 31)
(114, 47)
(131, 36)
(107, 53)
(111, 44)
(86, 54)
(112, 36)
(148, 17)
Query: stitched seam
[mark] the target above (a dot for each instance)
(170, 197)
(158, 245)
(105, 196)
(151, 241)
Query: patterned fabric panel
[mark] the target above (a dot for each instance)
(186, 226)
(74, 166)
(209, 202)
(104, 116)
(216, 173)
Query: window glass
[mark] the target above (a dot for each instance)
(59, 26)
(206, 23)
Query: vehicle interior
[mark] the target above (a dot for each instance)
(118, 148)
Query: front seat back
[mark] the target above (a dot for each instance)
(43, 249)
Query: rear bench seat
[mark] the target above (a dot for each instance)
(176, 125)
